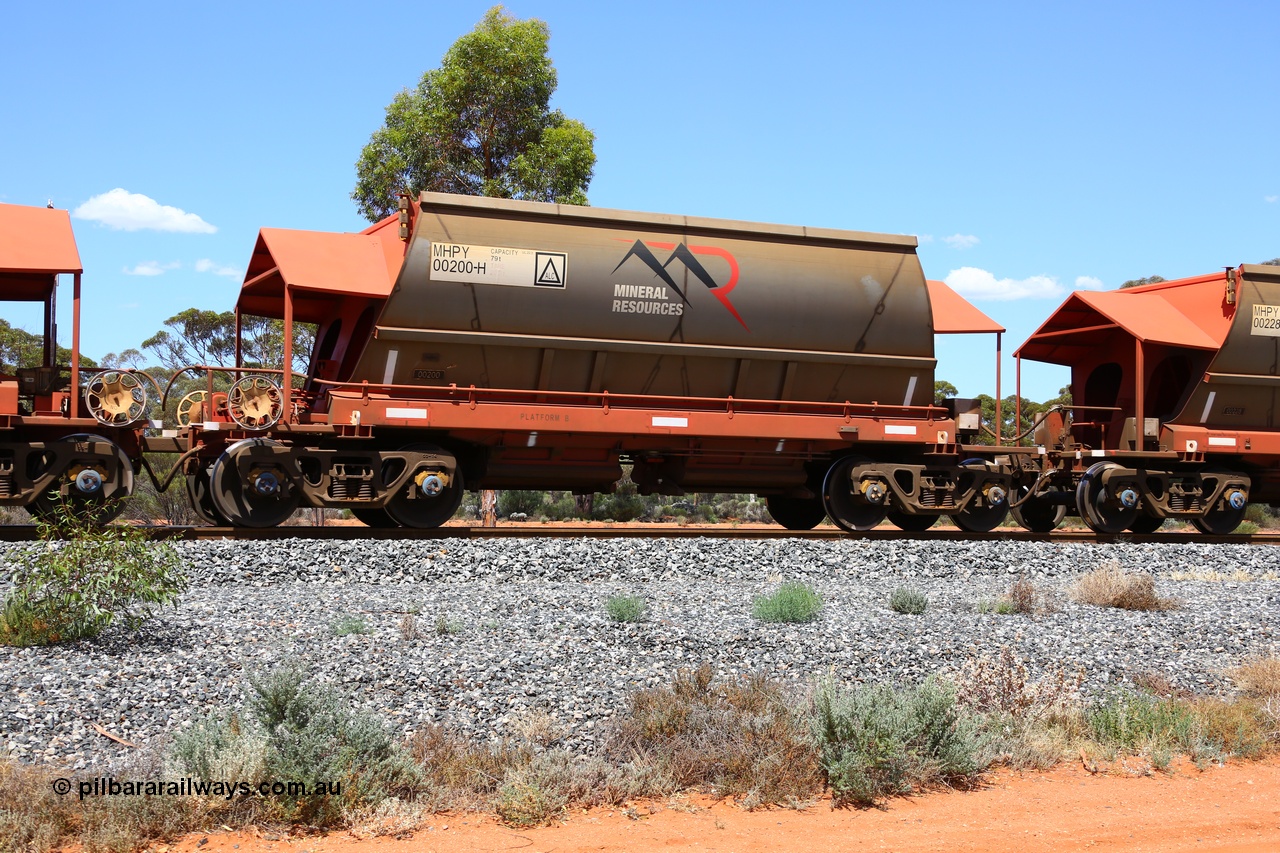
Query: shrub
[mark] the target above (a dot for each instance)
(1111, 586)
(878, 741)
(743, 738)
(344, 625)
(626, 608)
(1246, 528)
(85, 578)
(445, 626)
(1259, 677)
(791, 602)
(1001, 684)
(511, 501)
(1002, 606)
(297, 731)
(524, 803)
(1024, 598)
(1260, 514)
(910, 601)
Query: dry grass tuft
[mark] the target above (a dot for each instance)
(741, 738)
(1112, 586)
(460, 773)
(1159, 684)
(1259, 677)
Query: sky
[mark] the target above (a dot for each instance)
(1033, 148)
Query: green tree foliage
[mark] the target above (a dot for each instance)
(1138, 282)
(943, 391)
(20, 348)
(480, 124)
(1274, 262)
(194, 336)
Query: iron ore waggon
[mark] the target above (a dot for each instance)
(56, 445)
(1175, 405)
(483, 343)
(518, 345)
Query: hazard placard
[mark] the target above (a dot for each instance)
(497, 265)
(550, 267)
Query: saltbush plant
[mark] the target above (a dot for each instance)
(880, 740)
(296, 730)
(85, 577)
(345, 625)
(626, 608)
(909, 601)
(791, 602)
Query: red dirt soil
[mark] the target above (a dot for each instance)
(1233, 808)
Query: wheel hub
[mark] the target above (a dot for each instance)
(1128, 497)
(89, 482)
(266, 483)
(431, 483)
(1237, 499)
(873, 491)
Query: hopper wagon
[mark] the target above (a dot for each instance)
(1174, 388)
(477, 343)
(64, 436)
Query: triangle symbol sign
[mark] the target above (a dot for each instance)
(549, 274)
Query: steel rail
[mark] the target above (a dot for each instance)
(24, 533)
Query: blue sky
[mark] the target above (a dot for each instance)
(1034, 148)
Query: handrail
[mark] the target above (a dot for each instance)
(217, 368)
(609, 399)
(1056, 407)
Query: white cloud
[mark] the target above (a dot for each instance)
(961, 241)
(126, 211)
(975, 283)
(206, 265)
(151, 268)
(1272, 199)
(1088, 282)
(924, 238)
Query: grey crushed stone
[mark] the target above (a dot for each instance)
(533, 639)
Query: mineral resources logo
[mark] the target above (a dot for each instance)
(643, 299)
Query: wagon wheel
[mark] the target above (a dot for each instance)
(988, 516)
(255, 402)
(199, 491)
(263, 499)
(1220, 521)
(850, 510)
(115, 398)
(376, 518)
(1037, 514)
(425, 500)
(192, 407)
(1104, 513)
(911, 523)
(1146, 523)
(796, 513)
(91, 488)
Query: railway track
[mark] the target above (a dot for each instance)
(25, 533)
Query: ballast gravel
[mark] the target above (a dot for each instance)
(487, 635)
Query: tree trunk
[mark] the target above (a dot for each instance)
(488, 508)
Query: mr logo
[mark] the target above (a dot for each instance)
(686, 255)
